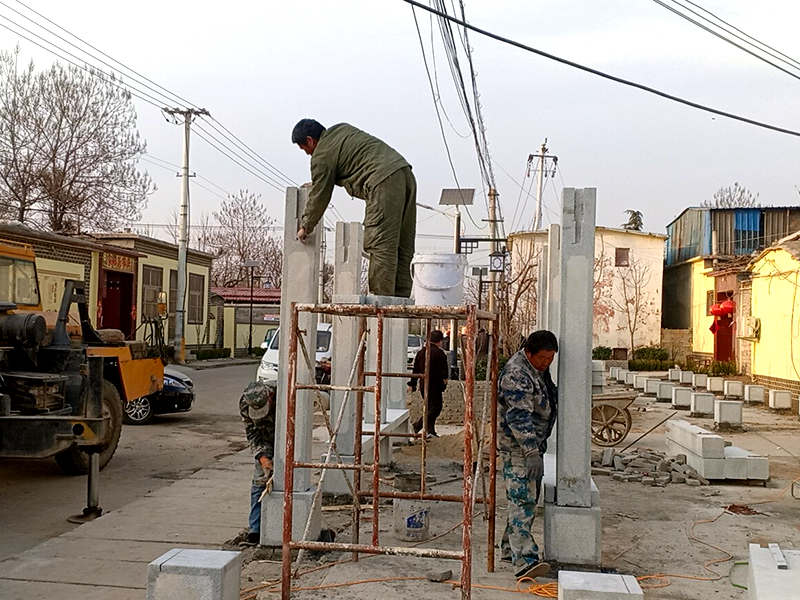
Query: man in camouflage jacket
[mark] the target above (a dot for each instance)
(370, 169)
(527, 404)
(257, 409)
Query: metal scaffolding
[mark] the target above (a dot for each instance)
(357, 385)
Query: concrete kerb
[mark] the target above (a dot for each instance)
(219, 363)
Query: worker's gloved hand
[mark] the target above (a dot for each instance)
(534, 467)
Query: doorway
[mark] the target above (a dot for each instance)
(118, 302)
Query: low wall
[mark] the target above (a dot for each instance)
(452, 401)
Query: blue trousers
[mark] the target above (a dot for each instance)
(256, 487)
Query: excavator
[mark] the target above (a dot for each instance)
(63, 383)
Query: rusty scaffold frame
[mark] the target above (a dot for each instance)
(356, 383)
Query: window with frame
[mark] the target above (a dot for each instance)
(197, 285)
(152, 282)
(709, 301)
(622, 257)
(173, 301)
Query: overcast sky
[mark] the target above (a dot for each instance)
(258, 67)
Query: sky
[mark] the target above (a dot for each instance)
(259, 67)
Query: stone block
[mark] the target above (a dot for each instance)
(651, 385)
(674, 375)
(630, 378)
(664, 392)
(733, 389)
(702, 403)
(699, 380)
(197, 574)
(681, 397)
(694, 439)
(766, 581)
(272, 517)
(572, 534)
(621, 375)
(648, 481)
(754, 393)
(612, 372)
(780, 399)
(709, 468)
(687, 377)
(716, 384)
(693, 482)
(728, 412)
(743, 464)
(638, 381)
(576, 585)
(678, 478)
(608, 457)
(619, 464)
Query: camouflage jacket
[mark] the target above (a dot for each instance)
(352, 159)
(527, 403)
(260, 434)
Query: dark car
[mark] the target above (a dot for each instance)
(177, 395)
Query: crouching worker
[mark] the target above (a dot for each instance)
(527, 403)
(257, 407)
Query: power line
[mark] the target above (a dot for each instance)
(626, 82)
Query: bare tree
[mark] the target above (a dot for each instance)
(245, 232)
(70, 151)
(733, 197)
(633, 300)
(602, 290)
(515, 300)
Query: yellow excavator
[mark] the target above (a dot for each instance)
(62, 383)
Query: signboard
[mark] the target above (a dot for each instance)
(118, 262)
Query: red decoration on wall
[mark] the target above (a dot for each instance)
(716, 310)
(728, 307)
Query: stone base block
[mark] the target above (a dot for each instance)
(743, 464)
(699, 380)
(766, 581)
(780, 399)
(674, 375)
(728, 412)
(702, 403)
(733, 389)
(272, 517)
(710, 468)
(630, 378)
(681, 397)
(335, 480)
(612, 372)
(572, 534)
(687, 377)
(696, 439)
(197, 574)
(754, 393)
(621, 375)
(664, 392)
(716, 384)
(576, 585)
(638, 381)
(651, 385)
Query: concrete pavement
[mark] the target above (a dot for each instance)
(107, 559)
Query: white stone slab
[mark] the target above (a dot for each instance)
(197, 574)
(756, 467)
(703, 443)
(716, 384)
(576, 585)
(780, 399)
(681, 397)
(664, 391)
(728, 412)
(639, 380)
(572, 534)
(622, 375)
(674, 375)
(651, 385)
(612, 372)
(710, 468)
(686, 377)
(767, 582)
(733, 389)
(702, 403)
(700, 380)
(754, 393)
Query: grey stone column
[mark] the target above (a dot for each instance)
(542, 289)
(572, 510)
(300, 284)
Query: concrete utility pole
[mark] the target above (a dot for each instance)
(183, 229)
(541, 172)
(492, 247)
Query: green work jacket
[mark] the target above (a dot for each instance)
(350, 158)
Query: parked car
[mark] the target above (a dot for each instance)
(177, 395)
(415, 343)
(268, 337)
(268, 368)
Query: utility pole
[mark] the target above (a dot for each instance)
(454, 334)
(183, 228)
(492, 246)
(541, 172)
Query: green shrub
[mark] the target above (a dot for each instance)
(719, 367)
(651, 353)
(481, 363)
(258, 351)
(211, 353)
(601, 353)
(649, 365)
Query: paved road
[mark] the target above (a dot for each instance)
(36, 497)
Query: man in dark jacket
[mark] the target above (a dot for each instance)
(369, 169)
(438, 380)
(257, 409)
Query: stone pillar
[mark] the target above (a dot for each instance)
(542, 289)
(554, 285)
(300, 284)
(349, 247)
(572, 519)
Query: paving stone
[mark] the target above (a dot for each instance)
(619, 464)
(648, 481)
(692, 482)
(663, 478)
(439, 576)
(678, 478)
(601, 471)
(608, 457)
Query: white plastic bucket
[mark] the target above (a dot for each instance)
(438, 279)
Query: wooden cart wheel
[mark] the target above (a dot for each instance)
(610, 424)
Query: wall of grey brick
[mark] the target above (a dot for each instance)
(678, 342)
(452, 403)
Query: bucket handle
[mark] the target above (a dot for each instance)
(437, 288)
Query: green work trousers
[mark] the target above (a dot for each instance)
(390, 226)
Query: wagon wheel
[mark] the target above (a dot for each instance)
(610, 424)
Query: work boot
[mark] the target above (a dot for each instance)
(253, 538)
(533, 570)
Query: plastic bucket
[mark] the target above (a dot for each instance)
(438, 279)
(411, 517)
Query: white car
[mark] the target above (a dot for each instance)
(415, 343)
(268, 368)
